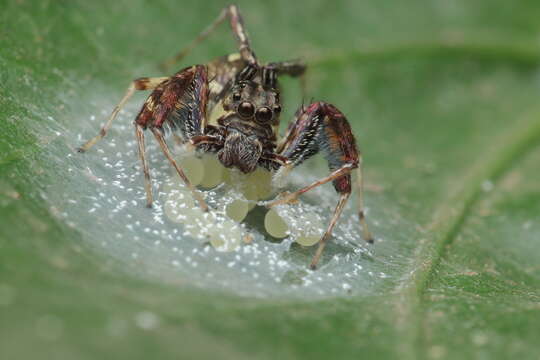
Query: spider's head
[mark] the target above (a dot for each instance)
(254, 100)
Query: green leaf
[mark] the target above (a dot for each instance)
(442, 97)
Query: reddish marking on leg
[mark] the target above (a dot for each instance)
(141, 83)
(343, 184)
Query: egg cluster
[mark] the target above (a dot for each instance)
(222, 227)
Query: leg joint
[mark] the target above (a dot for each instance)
(141, 83)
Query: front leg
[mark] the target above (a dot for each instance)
(179, 106)
(294, 68)
(322, 127)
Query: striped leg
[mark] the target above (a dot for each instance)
(139, 135)
(294, 68)
(322, 127)
(144, 83)
(237, 25)
(161, 140)
(177, 105)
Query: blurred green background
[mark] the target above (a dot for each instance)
(443, 96)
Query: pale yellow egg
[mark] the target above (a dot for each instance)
(237, 209)
(308, 240)
(275, 225)
(213, 171)
(193, 168)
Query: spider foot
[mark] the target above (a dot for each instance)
(284, 198)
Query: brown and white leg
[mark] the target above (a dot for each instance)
(366, 234)
(322, 243)
(161, 140)
(237, 25)
(294, 68)
(139, 134)
(287, 198)
(342, 172)
(322, 127)
(179, 105)
(144, 83)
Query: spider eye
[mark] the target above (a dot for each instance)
(236, 97)
(245, 109)
(277, 109)
(263, 115)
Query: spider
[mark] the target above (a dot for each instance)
(245, 136)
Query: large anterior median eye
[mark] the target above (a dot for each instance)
(246, 109)
(264, 114)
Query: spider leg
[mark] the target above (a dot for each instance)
(286, 197)
(269, 78)
(294, 68)
(238, 29)
(322, 127)
(360, 203)
(161, 140)
(176, 106)
(322, 243)
(144, 83)
(292, 131)
(139, 134)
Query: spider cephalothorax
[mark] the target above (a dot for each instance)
(245, 136)
(247, 129)
(252, 102)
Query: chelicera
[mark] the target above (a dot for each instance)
(246, 135)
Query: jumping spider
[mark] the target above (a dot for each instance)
(245, 137)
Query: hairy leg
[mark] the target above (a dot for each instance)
(321, 127)
(144, 83)
(178, 106)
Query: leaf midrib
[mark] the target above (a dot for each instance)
(449, 219)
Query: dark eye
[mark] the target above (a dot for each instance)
(246, 109)
(236, 97)
(264, 114)
(277, 109)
